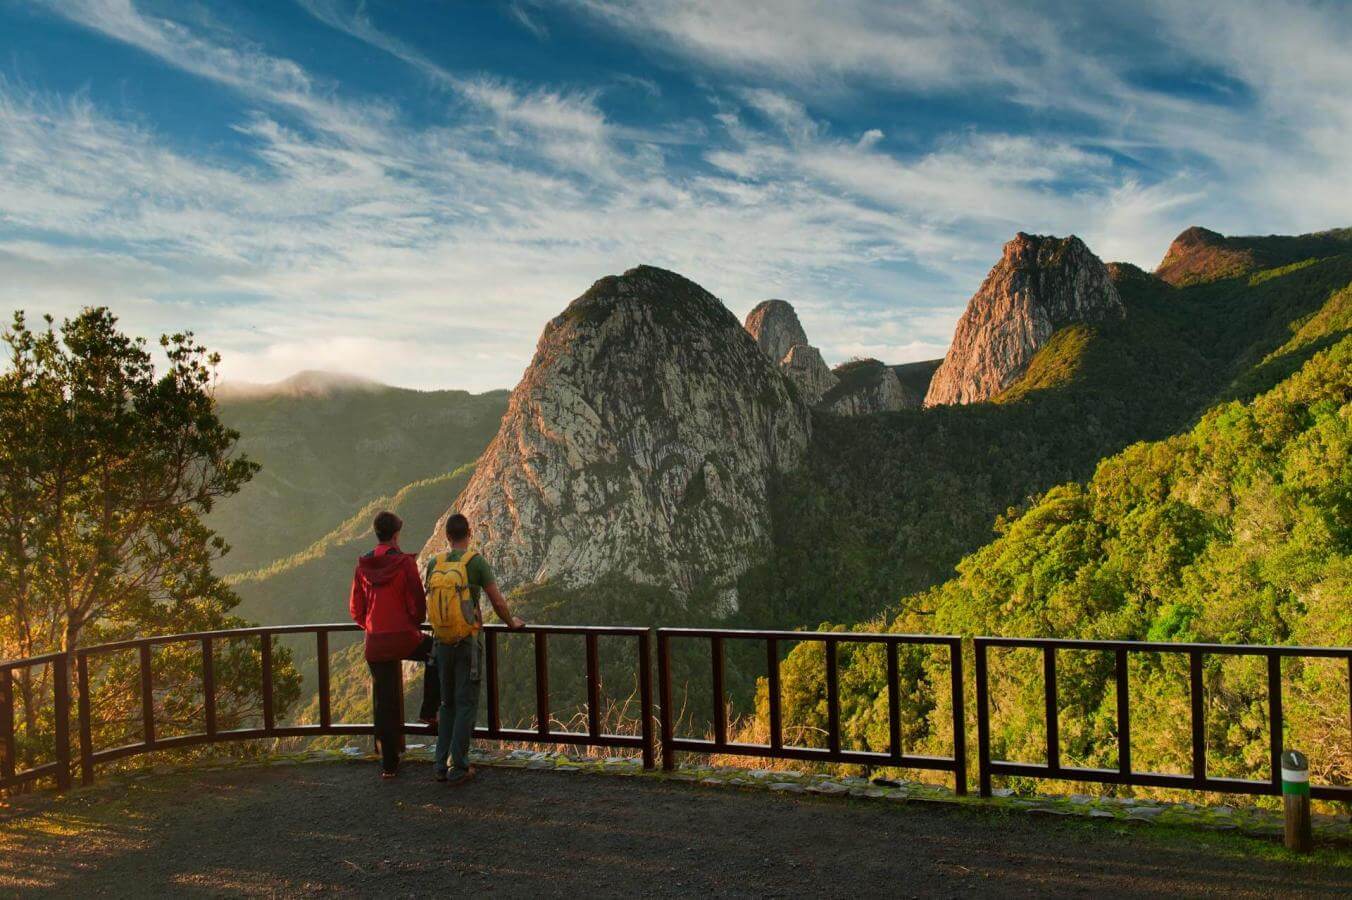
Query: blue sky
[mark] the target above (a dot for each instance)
(409, 190)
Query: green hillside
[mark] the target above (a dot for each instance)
(328, 450)
(312, 584)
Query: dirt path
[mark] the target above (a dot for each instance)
(288, 831)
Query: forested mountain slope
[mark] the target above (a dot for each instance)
(888, 504)
(1237, 530)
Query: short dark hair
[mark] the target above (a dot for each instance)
(457, 527)
(387, 525)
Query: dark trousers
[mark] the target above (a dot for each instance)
(459, 703)
(387, 684)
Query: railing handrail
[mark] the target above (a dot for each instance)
(1165, 646)
(28, 661)
(860, 637)
(259, 630)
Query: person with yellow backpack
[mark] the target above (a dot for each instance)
(454, 581)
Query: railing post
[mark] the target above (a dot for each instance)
(959, 718)
(832, 698)
(1274, 673)
(491, 678)
(322, 679)
(645, 695)
(265, 648)
(1052, 709)
(7, 744)
(593, 686)
(8, 747)
(893, 701)
(1198, 708)
(209, 686)
(86, 726)
(1123, 713)
(719, 693)
(983, 726)
(61, 696)
(147, 697)
(664, 689)
(541, 683)
(772, 689)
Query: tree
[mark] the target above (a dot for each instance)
(106, 468)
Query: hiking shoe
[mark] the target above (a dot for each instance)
(432, 721)
(441, 776)
(456, 779)
(386, 776)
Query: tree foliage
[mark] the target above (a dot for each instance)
(106, 467)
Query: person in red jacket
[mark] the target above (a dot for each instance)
(388, 602)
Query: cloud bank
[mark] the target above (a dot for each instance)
(344, 232)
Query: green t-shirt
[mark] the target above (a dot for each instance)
(479, 572)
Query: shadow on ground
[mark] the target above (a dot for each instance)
(287, 831)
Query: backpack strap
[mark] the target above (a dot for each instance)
(431, 566)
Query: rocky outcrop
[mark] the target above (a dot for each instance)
(640, 443)
(865, 386)
(804, 366)
(775, 327)
(1040, 284)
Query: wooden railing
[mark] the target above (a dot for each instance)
(59, 769)
(1125, 773)
(833, 752)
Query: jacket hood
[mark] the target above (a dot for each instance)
(379, 570)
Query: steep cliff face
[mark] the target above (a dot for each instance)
(864, 386)
(804, 366)
(640, 443)
(1040, 284)
(775, 327)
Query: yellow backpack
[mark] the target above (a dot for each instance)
(451, 609)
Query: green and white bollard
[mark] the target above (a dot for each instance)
(1296, 800)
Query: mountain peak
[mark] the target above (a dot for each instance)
(1040, 284)
(662, 292)
(641, 443)
(775, 326)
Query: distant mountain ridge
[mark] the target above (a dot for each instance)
(306, 383)
(1199, 255)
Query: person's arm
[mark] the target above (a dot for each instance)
(417, 595)
(500, 605)
(356, 602)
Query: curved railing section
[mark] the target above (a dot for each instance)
(59, 667)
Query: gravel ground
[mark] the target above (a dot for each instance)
(293, 830)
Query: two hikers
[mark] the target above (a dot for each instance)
(390, 601)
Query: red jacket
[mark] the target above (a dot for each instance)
(388, 602)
